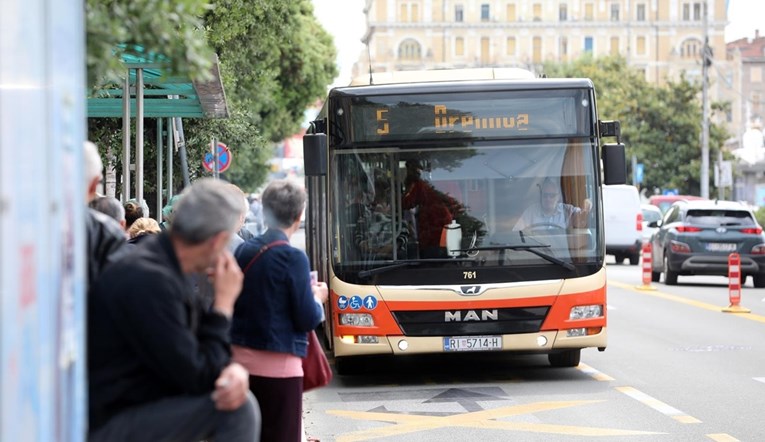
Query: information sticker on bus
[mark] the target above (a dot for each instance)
(472, 343)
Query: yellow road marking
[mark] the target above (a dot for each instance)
(658, 405)
(722, 437)
(409, 423)
(682, 300)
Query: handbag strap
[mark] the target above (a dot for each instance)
(262, 250)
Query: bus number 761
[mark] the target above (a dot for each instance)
(469, 275)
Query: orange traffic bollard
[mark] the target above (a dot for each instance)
(647, 267)
(734, 285)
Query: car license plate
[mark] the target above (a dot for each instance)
(473, 343)
(721, 247)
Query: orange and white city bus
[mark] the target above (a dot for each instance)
(459, 216)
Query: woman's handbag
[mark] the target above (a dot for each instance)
(316, 370)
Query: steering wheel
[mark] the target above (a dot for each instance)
(546, 228)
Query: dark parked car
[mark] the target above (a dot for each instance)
(696, 237)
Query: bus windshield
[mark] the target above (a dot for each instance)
(521, 205)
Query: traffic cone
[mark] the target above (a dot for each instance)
(647, 268)
(734, 285)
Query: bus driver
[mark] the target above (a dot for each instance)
(551, 213)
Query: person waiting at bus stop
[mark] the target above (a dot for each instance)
(552, 214)
(159, 361)
(278, 307)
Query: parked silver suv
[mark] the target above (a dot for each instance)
(696, 237)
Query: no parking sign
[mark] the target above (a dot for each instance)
(224, 159)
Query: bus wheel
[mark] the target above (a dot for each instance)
(670, 277)
(568, 358)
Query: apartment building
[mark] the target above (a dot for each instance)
(661, 38)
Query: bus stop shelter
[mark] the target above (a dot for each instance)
(148, 91)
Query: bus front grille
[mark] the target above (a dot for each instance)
(471, 322)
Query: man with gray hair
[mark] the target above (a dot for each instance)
(159, 361)
(105, 238)
(110, 206)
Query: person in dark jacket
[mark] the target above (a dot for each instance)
(159, 363)
(277, 308)
(105, 237)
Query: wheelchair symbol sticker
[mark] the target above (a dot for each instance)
(342, 302)
(370, 302)
(355, 302)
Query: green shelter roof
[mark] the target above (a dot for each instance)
(195, 99)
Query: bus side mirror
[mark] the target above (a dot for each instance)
(614, 164)
(315, 154)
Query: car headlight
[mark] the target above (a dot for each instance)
(586, 312)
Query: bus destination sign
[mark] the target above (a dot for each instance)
(402, 117)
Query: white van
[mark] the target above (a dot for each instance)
(623, 219)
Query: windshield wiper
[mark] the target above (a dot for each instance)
(408, 263)
(531, 248)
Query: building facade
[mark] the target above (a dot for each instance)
(661, 38)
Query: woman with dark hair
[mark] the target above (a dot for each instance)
(277, 308)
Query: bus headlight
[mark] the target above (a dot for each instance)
(357, 319)
(586, 312)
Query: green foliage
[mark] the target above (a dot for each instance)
(661, 126)
(275, 61)
(760, 216)
(166, 30)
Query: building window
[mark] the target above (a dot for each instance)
(614, 45)
(459, 13)
(485, 12)
(562, 12)
(588, 11)
(511, 14)
(409, 49)
(563, 48)
(588, 44)
(459, 46)
(510, 46)
(686, 12)
(691, 49)
(536, 53)
(640, 15)
(415, 8)
(614, 11)
(537, 11)
(697, 12)
(403, 14)
(755, 75)
(485, 45)
(640, 43)
(409, 11)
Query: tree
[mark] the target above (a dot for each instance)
(275, 61)
(661, 125)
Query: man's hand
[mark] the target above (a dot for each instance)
(587, 206)
(231, 387)
(227, 280)
(320, 291)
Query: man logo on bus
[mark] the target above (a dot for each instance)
(471, 315)
(470, 289)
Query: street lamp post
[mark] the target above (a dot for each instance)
(705, 62)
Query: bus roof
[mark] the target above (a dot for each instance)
(443, 75)
(471, 85)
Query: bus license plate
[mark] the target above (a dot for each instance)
(473, 343)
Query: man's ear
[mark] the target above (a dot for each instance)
(92, 186)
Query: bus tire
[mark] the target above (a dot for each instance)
(567, 358)
(634, 259)
(655, 276)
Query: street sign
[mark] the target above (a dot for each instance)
(639, 173)
(224, 159)
(670, 192)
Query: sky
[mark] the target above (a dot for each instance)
(344, 19)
